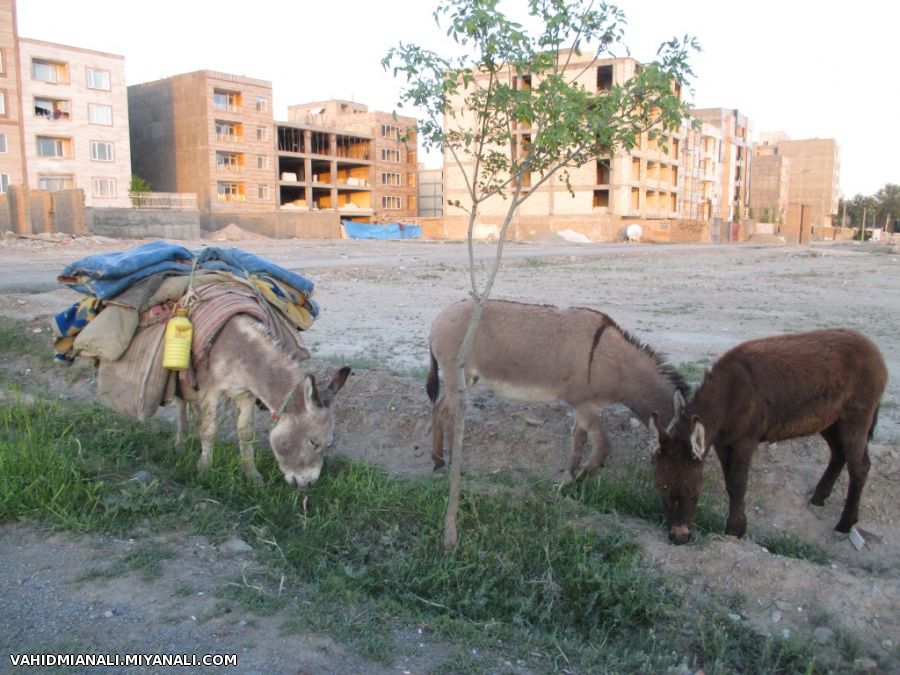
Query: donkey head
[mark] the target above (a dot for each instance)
(305, 429)
(678, 451)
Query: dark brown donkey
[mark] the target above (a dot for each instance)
(540, 353)
(827, 381)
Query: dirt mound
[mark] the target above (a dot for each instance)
(232, 232)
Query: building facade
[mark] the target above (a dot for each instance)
(210, 134)
(733, 142)
(701, 186)
(394, 168)
(63, 117)
(769, 190)
(813, 168)
(602, 197)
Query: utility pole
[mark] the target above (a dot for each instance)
(862, 230)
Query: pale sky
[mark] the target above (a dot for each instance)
(809, 68)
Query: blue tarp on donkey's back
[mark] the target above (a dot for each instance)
(385, 231)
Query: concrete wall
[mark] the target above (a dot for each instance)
(37, 211)
(280, 224)
(145, 223)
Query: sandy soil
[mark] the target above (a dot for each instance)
(690, 302)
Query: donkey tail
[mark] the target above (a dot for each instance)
(433, 385)
(874, 422)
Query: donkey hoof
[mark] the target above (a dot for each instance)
(438, 464)
(817, 501)
(844, 526)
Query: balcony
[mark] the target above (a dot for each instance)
(230, 138)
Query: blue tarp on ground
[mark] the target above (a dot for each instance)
(385, 231)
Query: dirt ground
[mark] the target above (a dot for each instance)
(378, 299)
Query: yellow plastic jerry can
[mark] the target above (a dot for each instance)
(177, 343)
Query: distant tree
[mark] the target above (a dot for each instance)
(470, 106)
(138, 190)
(887, 204)
(765, 217)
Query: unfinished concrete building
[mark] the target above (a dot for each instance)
(606, 195)
(324, 172)
(701, 177)
(392, 176)
(813, 184)
(733, 166)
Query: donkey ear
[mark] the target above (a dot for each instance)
(311, 392)
(656, 434)
(678, 404)
(698, 438)
(340, 377)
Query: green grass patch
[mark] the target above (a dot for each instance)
(531, 578)
(145, 559)
(16, 339)
(792, 546)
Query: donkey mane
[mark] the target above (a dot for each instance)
(276, 340)
(664, 367)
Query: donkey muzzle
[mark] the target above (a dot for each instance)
(680, 534)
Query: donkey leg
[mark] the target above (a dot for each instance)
(591, 421)
(181, 422)
(858, 467)
(246, 434)
(835, 464)
(738, 460)
(437, 433)
(207, 426)
(579, 438)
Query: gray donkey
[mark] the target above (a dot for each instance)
(540, 353)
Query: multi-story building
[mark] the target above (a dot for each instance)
(210, 134)
(701, 186)
(213, 134)
(393, 153)
(430, 194)
(813, 184)
(75, 121)
(63, 117)
(606, 194)
(12, 149)
(324, 172)
(732, 163)
(769, 189)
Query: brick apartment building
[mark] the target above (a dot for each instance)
(732, 146)
(213, 134)
(608, 194)
(63, 117)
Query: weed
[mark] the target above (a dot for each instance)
(694, 371)
(792, 546)
(145, 559)
(16, 339)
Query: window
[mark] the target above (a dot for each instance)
(262, 161)
(54, 147)
(604, 78)
(51, 108)
(97, 79)
(228, 132)
(390, 131)
(263, 192)
(2, 61)
(100, 114)
(54, 182)
(101, 151)
(262, 133)
(2, 144)
(230, 192)
(388, 155)
(49, 71)
(229, 161)
(3, 103)
(226, 100)
(390, 202)
(390, 179)
(4, 183)
(104, 187)
(262, 105)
